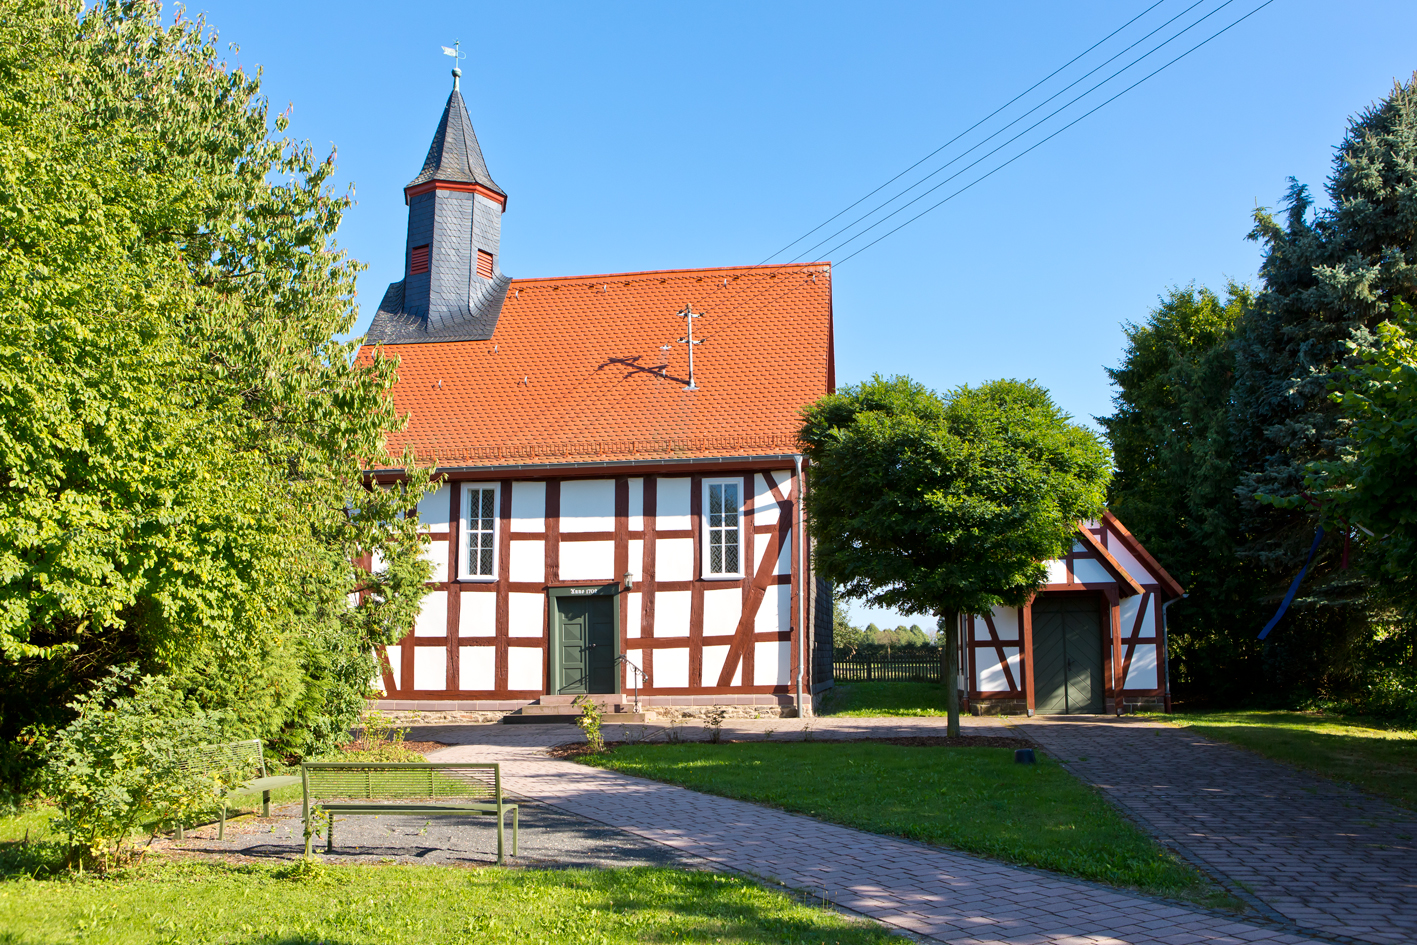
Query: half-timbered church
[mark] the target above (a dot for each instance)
(619, 509)
(619, 506)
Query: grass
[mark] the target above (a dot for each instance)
(861, 699)
(973, 799)
(311, 903)
(1367, 754)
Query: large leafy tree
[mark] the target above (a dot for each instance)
(1330, 276)
(946, 505)
(182, 439)
(1176, 478)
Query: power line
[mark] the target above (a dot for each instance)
(1006, 163)
(1049, 137)
(1035, 108)
(973, 126)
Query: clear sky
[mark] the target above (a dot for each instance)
(659, 136)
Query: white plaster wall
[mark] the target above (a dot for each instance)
(1142, 673)
(433, 617)
(633, 612)
(671, 614)
(990, 671)
(587, 560)
(775, 614)
(588, 505)
(674, 559)
(477, 667)
(671, 668)
(638, 658)
(477, 615)
(722, 608)
(772, 662)
(636, 558)
(376, 562)
(434, 509)
(783, 565)
(713, 665)
(1139, 572)
(528, 561)
(637, 505)
(430, 667)
(437, 552)
(525, 616)
(1128, 608)
(524, 668)
(1057, 572)
(395, 657)
(765, 507)
(1089, 571)
(672, 504)
(528, 506)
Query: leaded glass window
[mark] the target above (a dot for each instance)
(481, 530)
(724, 509)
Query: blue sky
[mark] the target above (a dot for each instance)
(657, 136)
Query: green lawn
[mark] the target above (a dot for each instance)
(410, 905)
(884, 698)
(974, 799)
(1367, 754)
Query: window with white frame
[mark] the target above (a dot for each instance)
(723, 528)
(479, 528)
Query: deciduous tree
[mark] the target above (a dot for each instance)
(931, 505)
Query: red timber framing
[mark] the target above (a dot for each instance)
(1130, 601)
(637, 518)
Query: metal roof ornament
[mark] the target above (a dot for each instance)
(456, 52)
(688, 314)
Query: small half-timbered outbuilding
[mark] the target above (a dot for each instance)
(1092, 640)
(619, 498)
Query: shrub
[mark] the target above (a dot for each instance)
(119, 765)
(589, 722)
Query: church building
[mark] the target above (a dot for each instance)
(619, 504)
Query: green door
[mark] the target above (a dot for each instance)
(1067, 655)
(585, 644)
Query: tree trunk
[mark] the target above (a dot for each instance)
(950, 621)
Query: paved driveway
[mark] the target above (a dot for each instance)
(1322, 855)
(930, 892)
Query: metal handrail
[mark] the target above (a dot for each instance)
(639, 674)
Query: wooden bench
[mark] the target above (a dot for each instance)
(416, 789)
(237, 769)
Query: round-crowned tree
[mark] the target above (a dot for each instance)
(944, 505)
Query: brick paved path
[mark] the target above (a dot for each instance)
(1322, 855)
(946, 896)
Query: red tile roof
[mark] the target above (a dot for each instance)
(575, 371)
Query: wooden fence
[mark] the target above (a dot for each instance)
(895, 669)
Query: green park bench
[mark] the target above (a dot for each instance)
(237, 769)
(414, 788)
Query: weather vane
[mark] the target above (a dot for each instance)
(455, 50)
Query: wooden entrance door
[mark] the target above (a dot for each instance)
(585, 644)
(1067, 655)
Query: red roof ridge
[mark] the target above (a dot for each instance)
(672, 272)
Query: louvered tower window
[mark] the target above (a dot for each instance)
(418, 260)
(484, 264)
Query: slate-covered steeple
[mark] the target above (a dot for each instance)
(453, 286)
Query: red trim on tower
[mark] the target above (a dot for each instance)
(459, 186)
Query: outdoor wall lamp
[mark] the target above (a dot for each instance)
(629, 583)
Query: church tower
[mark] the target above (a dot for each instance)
(453, 286)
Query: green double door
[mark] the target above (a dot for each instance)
(1067, 655)
(585, 644)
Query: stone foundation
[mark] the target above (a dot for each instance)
(998, 706)
(405, 712)
(1131, 704)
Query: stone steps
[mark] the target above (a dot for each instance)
(560, 710)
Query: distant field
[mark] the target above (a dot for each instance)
(1370, 755)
